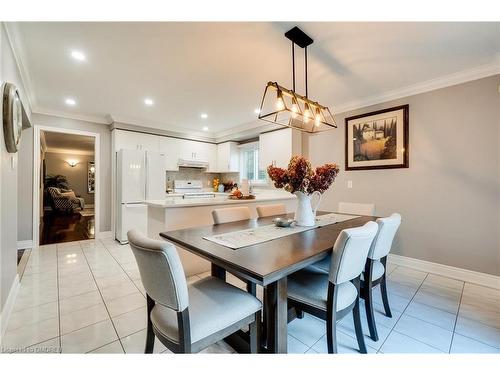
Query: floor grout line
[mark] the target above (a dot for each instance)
(402, 313)
(58, 300)
(456, 318)
(99, 291)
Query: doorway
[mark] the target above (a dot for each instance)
(65, 193)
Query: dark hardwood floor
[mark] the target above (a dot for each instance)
(61, 227)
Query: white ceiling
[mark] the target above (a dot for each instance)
(68, 143)
(221, 68)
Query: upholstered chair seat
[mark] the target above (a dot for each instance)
(213, 306)
(332, 295)
(186, 318)
(312, 288)
(377, 272)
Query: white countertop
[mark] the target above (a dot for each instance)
(222, 199)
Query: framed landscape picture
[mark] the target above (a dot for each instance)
(377, 140)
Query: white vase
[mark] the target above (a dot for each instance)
(305, 215)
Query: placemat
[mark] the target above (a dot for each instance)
(254, 236)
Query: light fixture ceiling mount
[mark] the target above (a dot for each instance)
(285, 107)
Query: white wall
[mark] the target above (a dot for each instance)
(449, 197)
(8, 179)
(57, 164)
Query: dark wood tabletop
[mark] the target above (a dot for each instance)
(265, 262)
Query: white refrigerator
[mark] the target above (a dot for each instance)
(140, 176)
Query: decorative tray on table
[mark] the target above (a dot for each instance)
(242, 197)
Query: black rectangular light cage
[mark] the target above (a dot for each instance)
(285, 107)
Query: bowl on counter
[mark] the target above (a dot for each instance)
(283, 222)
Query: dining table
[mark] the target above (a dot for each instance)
(267, 263)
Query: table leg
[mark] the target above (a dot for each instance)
(218, 272)
(276, 316)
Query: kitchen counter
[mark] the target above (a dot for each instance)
(219, 199)
(175, 213)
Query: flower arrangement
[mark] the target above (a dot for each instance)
(300, 176)
(215, 184)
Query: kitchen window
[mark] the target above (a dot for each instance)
(249, 164)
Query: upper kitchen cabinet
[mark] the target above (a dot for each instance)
(278, 147)
(171, 148)
(129, 140)
(198, 151)
(228, 157)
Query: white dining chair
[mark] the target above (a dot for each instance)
(367, 209)
(184, 318)
(230, 214)
(271, 210)
(332, 296)
(375, 268)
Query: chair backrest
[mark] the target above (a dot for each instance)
(271, 210)
(227, 215)
(350, 252)
(161, 270)
(367, 209)
(387, 228)
(54, 192)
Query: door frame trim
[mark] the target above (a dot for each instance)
(36, 176)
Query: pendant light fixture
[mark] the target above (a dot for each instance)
(287, 108)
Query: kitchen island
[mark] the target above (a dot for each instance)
(180, 213)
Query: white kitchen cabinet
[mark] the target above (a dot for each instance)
(278, 147)
(195, 150)
(171, 148)
(174, 148)
(228, 157)
(129, 140)
(211, 151)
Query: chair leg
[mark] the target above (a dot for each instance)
(252, 288)
(331, 335)
(369, 300)
(369, 314)
(358, 327)
(255, 329)
(385, 299)
(150, 335)
(331, 319)
(300, 313)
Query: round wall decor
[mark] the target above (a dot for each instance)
(12, 114)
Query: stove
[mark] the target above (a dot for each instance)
(191, 189)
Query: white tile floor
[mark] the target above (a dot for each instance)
(87, 296)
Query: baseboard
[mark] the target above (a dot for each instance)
(103, 235)
(8, 307)
(27, 244)
(469, 276)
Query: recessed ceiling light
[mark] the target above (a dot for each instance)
(256, 111)
(205, 128)
(78, 55)
(149, 102)
(204, 115)
(70, 101)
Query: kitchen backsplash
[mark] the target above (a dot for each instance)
(197, 174)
